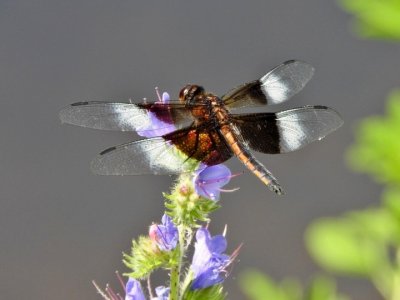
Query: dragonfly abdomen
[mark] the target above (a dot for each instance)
(248, 159)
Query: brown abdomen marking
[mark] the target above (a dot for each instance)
(203, 145)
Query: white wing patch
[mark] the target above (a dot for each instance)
(107, 116)
(301, 126)
(285, 80)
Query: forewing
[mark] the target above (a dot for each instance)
(174, 153)
(287, 130)
(277, 86)
(125, 116)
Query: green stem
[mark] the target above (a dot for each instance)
(396, 277)
(176, 270)
(396, 287)
(174, 285)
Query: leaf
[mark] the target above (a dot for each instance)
(378, 19)
(214, 292)
(144, 259)
(323, 288)
(377, 147)
(339, 246)
(257, 286)
(378, 224)
(391, 200)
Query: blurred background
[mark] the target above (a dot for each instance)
(61, 226)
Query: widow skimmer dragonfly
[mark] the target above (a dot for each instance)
(203, 129)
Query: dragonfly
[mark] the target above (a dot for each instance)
(203, 128)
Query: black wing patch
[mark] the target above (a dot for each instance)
(287, 130)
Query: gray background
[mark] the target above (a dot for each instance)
(61, 226)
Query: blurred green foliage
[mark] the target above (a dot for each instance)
(377, 147)
(364, 243)
(258, 286)
(378, 19)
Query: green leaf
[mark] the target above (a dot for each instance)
(145, 257)
(375, 18)
(214, 292)
(323, 288)
(339, 246)
(378, 224)
(257, 286)
(391, 200)
(377, 147)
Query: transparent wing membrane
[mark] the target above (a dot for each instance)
(149, 156)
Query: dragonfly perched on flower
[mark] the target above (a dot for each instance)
(199, 128)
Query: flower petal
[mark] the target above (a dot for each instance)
(209, 180)
(165, 97)
(162, 293)
(133, 290)
(206, 279)
(216, 174)
(157, 126)
(165, 235)
(209, 262)
(218, 244)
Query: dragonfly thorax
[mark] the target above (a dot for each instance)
(197, 101)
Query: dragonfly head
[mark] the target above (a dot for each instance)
(189, 92)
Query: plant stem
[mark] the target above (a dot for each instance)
(174, 289)
(176, 270)
(395, 293)
(149, 288)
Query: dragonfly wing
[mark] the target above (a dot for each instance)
(277, 86)
(126, 116)
(287, 130)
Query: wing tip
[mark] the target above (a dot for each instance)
(338, 118)
(97, 166)
(300, 62)
(65, 114)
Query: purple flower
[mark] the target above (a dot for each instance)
(162, 293)
(208, 181)
(160, 120)
(165, 235)
(133, 290)
(209, 261)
